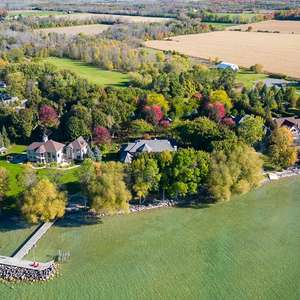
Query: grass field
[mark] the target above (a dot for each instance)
(68, 178)
(245, 249)
(74, 30)
(277, 53)
(91, 73)
(248, 78)
(272, 25)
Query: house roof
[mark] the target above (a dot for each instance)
(49, 146)
(224, 65)
(34, 145)
(289, 122)
(149, 146)
(78, 144)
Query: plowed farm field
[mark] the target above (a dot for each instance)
(292, 27)
(278, 53)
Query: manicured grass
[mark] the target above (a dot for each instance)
(245, 249)
(91, 73)
(68, 178)
(248, 78)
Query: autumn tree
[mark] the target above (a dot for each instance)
(43, 202)
(222, 97)
(282, 153)
(153, 114)
(105, 187)
(235, 170)
(157, 100)
(101, 135)
(48, 116)
(216, 111)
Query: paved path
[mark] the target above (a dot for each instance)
(31, 242)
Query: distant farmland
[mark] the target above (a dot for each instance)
(278, 53)
(74, 30)
(272, 25)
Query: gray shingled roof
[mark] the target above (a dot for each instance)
(149, 146)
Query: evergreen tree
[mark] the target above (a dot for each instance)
(5, 138)
(90, 154)
(1, 141)
(97, 154)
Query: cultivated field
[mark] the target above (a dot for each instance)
(245, 249)
(91, 73)
(74, 30)
(278, 53)
(272, 25)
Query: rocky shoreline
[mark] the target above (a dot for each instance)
(14, 273)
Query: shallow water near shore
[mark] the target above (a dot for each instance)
(244, 249)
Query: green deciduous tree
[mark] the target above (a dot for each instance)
(183, 172)
(140, 126)
(251, 129)
(4, 182)
(145, 175)
(199, 133)
(43, 202)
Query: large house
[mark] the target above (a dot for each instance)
(50, 151)
(132, 149)
(293, 124)
(46, 152)
(77, 150)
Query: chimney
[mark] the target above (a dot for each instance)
(45, 138)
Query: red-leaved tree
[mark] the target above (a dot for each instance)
(101, 135)
(228, 121)
(216, 111)
(164, 123)
(153, 114)
(48, 116)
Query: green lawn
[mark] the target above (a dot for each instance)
(69, 178)
(248, 78)
(245, 249)
(91, 73)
